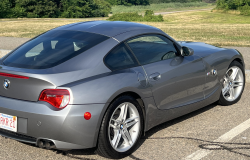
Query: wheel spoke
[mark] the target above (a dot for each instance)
(115, 120)
(113, 126)
(227, 77)
(234, 74)
(130, 122)
(123, 113)
(126, 136)
(231, 92)
(225, 90)
(116, 139)
(237, 83)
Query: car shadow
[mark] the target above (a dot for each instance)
(177, 120)
(208, 145)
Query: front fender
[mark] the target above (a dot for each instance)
(219, 61)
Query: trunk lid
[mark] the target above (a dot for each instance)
(19, 86)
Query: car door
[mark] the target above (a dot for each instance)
(175, 80)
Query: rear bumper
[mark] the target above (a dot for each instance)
(67, 128)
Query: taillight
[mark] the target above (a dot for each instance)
(58, 98)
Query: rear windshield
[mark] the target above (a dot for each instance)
(52, 48)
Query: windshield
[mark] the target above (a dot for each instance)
(52, 48)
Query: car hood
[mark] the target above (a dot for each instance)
(200, 48)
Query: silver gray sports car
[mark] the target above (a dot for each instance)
(103, 84)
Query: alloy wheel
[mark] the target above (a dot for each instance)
(124, 127)
(233, 83)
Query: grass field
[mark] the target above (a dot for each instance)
(162, 7)
(30, 27)
(215, 28)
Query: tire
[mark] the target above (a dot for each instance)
(114, 125)
(233, 84)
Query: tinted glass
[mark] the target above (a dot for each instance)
(152, 48)
(52, 48)
(120, 58)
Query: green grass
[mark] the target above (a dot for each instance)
(207, 17)
(31, 27)
(163, 7)
(221, 29)
(148, 17)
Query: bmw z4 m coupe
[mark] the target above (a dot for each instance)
(103, 84)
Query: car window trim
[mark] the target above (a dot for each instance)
(132, 55)
(125, 41)
(139, 35)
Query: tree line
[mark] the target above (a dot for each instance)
(54, 8)
(241, 5)
(67, 8)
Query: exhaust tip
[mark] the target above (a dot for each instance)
(40, 144)
(46, 144)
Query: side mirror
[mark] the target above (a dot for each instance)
(185, 51)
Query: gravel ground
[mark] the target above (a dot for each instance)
(10, 43)
(245, 51)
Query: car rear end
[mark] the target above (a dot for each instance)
(33, 107)
(42, 124)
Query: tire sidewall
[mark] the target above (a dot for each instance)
(106, 121)
(222, 100)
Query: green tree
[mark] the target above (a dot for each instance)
(100, 8)
(148, 17)
(54, 8)
(232, 4)
(245, 10)
(5, 6)
(85, 8)
(38, 8)
(76, 8)
(18, 12)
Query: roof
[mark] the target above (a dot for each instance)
(108, 28)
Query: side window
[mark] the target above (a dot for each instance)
(120, 58)
(35, 51)
(152, 48)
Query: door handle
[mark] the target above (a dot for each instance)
(155, 76)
